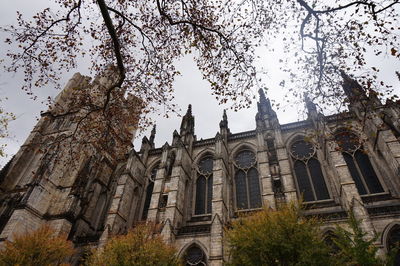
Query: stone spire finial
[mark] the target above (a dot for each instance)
(187, 124)
(152, 136)
(352, 88)
(264, 106)
(309, 103)
(189, 110)
(263, 98)
(224, 121)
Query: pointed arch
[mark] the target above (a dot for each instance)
(204, 184)
(242, 146)
(149, 190)
(246, 179)
(194, 254)
(310, 179)
(206, 152)
(391, 238)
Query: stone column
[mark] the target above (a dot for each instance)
(174, 211)
(219, 201)
(289, 187)
(267, 191)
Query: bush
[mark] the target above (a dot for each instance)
(142, 245)
(40, 247)
(282, 237)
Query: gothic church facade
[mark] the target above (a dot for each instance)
(195, 187)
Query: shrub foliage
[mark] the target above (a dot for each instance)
(282, 237)
(40, 247)
(143, 245)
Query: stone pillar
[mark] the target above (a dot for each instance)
(159, 185)
(216, 256)
(174, 211)
(220, 200)
(267, 191)
(126, 199)
(289, 187)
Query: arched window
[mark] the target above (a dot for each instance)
(329, 239)
(248, 194)
(194, 256)
(393, 241)
(358, 162)
(204, 184)
(149, 192)
(309, 176)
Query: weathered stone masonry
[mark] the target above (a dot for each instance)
(194, 187)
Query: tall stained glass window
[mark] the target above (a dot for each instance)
(247, 184)
(149, 192)
(309, 176)
(204, 184)
(358, 162)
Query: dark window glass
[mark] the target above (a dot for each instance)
(254, 188)
(195, 257)
(149, 193)
(200, 195)
(209, 193)
(204, 186)
(153, 174)
(303, 181)
(329, 241)
(248, 192)
(358, 162)
(307, 169)
(318, 179)
(163, 201)
(394, 242)
(354, 173)
(241, 190)
(368, 172)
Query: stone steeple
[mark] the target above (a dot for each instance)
(266, 116)
(187, 126)
(152, 136)
(264, 105)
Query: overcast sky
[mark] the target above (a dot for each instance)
(189, 89)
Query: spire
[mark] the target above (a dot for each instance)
(187, 124)
(152, 136)
(309, 103)
(189, 110)
(351, 88)
(224, 121)
(264, 106)
(262, 96)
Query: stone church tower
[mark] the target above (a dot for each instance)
(62, 175)
(193, 187)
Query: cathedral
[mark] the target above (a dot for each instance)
(194, 187)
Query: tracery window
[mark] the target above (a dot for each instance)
(204, 184)
(309, 176)
(358, 162)
(329, 239)
(393, 241)
(195, 257)
(149, 192)
(248, 194)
